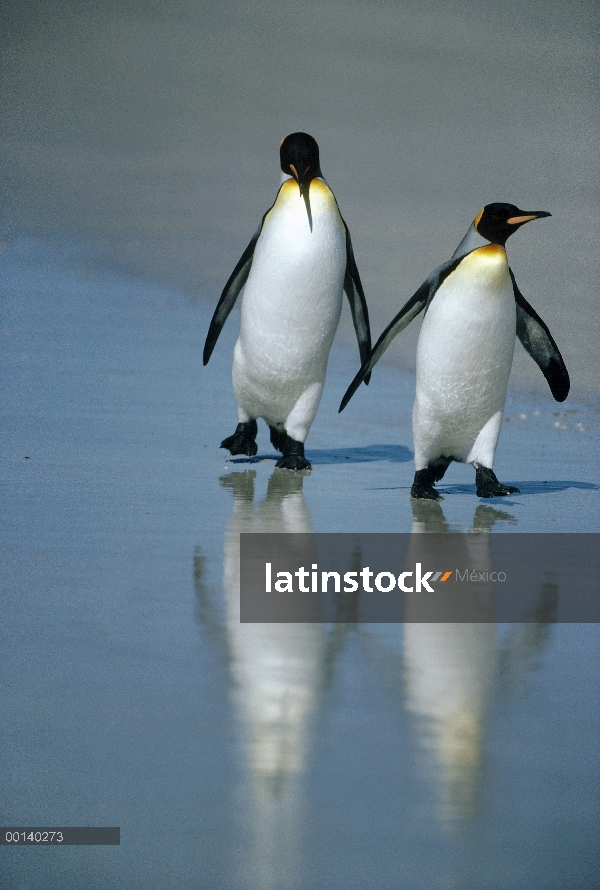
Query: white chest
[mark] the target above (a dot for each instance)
(466, 344)
(297, 275)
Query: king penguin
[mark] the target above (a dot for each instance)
(473, 310)
(294, 272)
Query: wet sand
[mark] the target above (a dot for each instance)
(237, 757)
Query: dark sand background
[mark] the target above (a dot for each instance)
(151, 130)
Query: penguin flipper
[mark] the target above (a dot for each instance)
(419, 300)
(358, 303)
(231, 292)
(539, 343)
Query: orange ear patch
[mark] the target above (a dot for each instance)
(477, 219)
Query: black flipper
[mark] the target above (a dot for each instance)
(358, 303)
(231, 291)
(539, 343)
(410, 310)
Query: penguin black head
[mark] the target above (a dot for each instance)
(299, 155)
(497, 222)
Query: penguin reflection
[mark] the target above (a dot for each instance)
(277, 671)
(450, 669)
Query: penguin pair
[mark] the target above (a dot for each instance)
(295, 270)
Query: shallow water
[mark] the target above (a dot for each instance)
(417, 756)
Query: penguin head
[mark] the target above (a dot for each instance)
(497, 222)
(299, 155)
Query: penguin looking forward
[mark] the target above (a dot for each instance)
(473, 309)
(294, 271)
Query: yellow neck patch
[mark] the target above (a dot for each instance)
(291, 191)
(490, 251)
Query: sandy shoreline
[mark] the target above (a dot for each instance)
(91, 355)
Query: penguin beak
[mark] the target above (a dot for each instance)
(527, 217)
(304, 182)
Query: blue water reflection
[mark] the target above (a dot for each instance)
(344, 756)
(432, 693)
(276, 673)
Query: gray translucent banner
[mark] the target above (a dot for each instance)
(380, 578)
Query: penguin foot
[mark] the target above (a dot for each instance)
(488, 485)
(293, 454)
(422, 486)
(293, 462)
(279, 438)
(243, 440)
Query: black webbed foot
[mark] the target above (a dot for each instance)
(488, 485)
(293, 462)
(293, 453)
(422, 486)
(243, 440)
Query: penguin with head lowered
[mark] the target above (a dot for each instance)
(294, 272)
(473, 310)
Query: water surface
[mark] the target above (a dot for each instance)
(263, 756)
